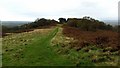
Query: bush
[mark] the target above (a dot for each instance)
(88, 24)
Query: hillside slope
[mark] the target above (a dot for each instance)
(32, 49)
(51, 47)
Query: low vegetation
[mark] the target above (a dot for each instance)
(100, 38)
(32, 50)
(69, 42)
(82, 51)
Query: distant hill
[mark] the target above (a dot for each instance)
(14, 23)
(111, 22)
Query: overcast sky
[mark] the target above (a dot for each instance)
(29, 10)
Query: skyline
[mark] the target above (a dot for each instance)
(25, 10)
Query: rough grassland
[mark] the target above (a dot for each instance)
(32, 49)
(89, 55)
(50, 47)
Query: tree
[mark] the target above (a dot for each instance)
(88, 24)
(62, 20)
(73, 22)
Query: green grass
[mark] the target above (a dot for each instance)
(52, 48)
(37, 52)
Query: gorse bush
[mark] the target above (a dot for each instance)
(38, 23)
(88, 24)
(62, 20)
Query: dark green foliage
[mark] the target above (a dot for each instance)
(73, 22)
(88, 24)
(85, 62)
(42, 22)
(4, 28)
(109, 27)
(62, 20)
(38, 23)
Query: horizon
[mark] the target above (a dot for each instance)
(111, 22)
(56, 19)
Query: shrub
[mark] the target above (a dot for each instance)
(88, 24)
(100, 38)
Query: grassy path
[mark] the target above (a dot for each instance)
(38, 53)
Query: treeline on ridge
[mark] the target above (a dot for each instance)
(86, 24)
(38, 23)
